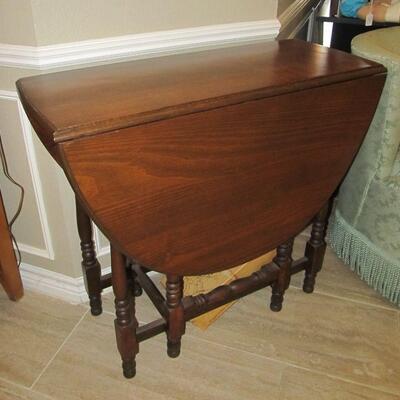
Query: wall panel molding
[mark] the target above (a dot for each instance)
(295, 16)
(100, 250)
(48, 251)
(60, 286)
(136, 46)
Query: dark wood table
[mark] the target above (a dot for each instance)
(191, 164)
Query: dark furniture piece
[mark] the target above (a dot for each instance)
(10, 277)
(191, 164)
(364, 229)
(345, 29)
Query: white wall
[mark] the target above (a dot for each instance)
(46, 229)
(91, 19)
(16, 22)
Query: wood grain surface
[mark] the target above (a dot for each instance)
(204, 192)
(66, 105)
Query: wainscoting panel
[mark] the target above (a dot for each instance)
(31, 229)
(34, 235)
(102, 244)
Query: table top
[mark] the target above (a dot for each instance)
(195, 163)
(66, 105)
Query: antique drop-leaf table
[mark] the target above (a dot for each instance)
(191, 164)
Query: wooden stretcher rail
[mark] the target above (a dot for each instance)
(297, 266)
(202, 303)
(150, 288)
(106, 281)
(151, 329)
(197, 305)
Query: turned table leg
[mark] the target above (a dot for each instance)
(176, 320)
(137, 290)
(284, 260)
(125, 322)
(315, 248)
(90, 265)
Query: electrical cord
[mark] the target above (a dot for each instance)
(21, 200)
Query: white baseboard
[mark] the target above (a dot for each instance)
(136, 46)
(53, 284)
(59, 286)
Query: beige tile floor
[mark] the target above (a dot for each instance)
(342, 343)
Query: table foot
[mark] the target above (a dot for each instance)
(95, 305)
(125, 322)
(176, 319)
(284, 261)
(276, 302)
(173, 349)
(90, 266)
(129, 368)
(315, 248)
(137, 289)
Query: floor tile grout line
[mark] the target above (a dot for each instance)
(389, 308)
(316, 292)
(59, 349)
(27, 388)
(246, 352)
(289, 364)
(20, 385)
(374, 388)
(348, 299)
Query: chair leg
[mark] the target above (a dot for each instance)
(284, 260)
(176, 320)
(90, 265)
(315, 248)
(125, 322)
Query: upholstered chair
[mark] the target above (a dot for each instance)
(365, 226)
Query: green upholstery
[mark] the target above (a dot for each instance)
(364, 229)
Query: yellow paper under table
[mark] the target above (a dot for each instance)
(194, 285)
